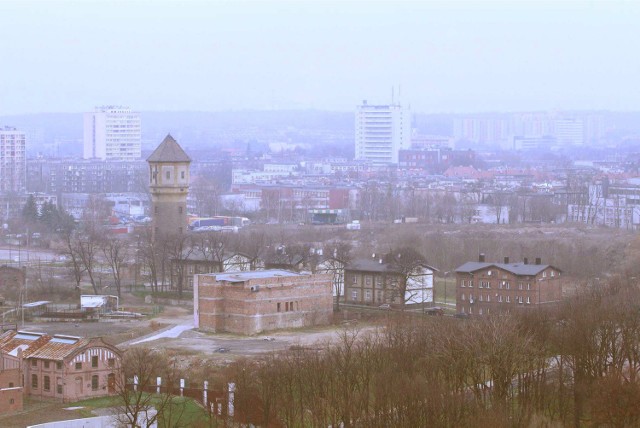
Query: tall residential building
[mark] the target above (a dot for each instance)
(569, 131)
(12, 160)
(169, 185)
(381, 132)
(112, 132)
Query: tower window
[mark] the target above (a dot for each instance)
(182, 175)
(180, 209)
(168, 175)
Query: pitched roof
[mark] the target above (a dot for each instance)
(40, 345)
(514, 268)
(169, 151)
(374, 265)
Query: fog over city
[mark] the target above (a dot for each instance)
(319, 213)
(457, 56)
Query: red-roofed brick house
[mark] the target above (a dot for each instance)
(66, 368)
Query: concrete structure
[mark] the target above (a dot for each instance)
(259, 301)
(169, 185)
(112, 132)
(12, 160)
(381, 132)
(490, 288)
(569, 131)
(66, 368)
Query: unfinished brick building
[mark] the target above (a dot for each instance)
(258, 301)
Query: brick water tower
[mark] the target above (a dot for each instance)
(169, 185)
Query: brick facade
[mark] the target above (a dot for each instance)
(259, 301)
(11, 391)
(490, 288)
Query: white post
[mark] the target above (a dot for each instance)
(232, 390)
(204, 392)
(158, 383)
(135, 382)
(181, 387)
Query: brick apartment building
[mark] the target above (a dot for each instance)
(66, 368)
(375, 281)
(258, 301)
(487, 288)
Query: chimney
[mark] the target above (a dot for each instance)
(526, 261)
(538, 261)
(481, 258)
(506, 260)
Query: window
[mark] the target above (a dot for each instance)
(480, 311)
(508, 299)
(12, 401)
(488, 297)
(500, 285)
(10, 384)
(34, 363)
(46, 364)
(182, 175)
(286, 306)
(367, 295)
(94, 361)
(544, 274)
(180, 209)
(59, 388)
(481, 298)
(78, 366)
(500, 298)
(507, 285)
(279, 306)
(462, 283)
(489, 273)
(59, 365)
(168, 175)
(34, 381)
(94, 382)
(291, 306)
(156, 209)
(519, 286)
(462, 297)
(528, 300)
(355, 279)
(367, 280)
(470, 283)
(528, 286)
(553, 273)
(46, 385)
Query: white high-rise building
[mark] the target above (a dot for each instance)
(381, 132)
(569, 131)
(13, 160)
(112, 132)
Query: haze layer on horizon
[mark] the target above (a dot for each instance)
(63, 56)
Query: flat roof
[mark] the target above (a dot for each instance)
(255, 274)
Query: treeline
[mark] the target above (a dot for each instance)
(573, 365)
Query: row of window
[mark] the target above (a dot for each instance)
(501, 284)
(367, 295)
(46, 384)
(288, 306)
(507, 298)
(111, 362)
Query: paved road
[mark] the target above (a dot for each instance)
(170, 333)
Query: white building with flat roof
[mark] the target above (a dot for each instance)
(381, 132)
(13, 161)
(112, 132)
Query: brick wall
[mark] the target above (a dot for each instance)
(274, 303)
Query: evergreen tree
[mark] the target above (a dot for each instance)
(30, 210)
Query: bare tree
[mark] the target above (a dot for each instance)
(138, 402)
(114, 250)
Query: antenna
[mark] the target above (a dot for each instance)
(399, 92)
(393, 95)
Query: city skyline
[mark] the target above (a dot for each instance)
(456, 57)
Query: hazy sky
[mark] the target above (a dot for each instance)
(449, 56)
